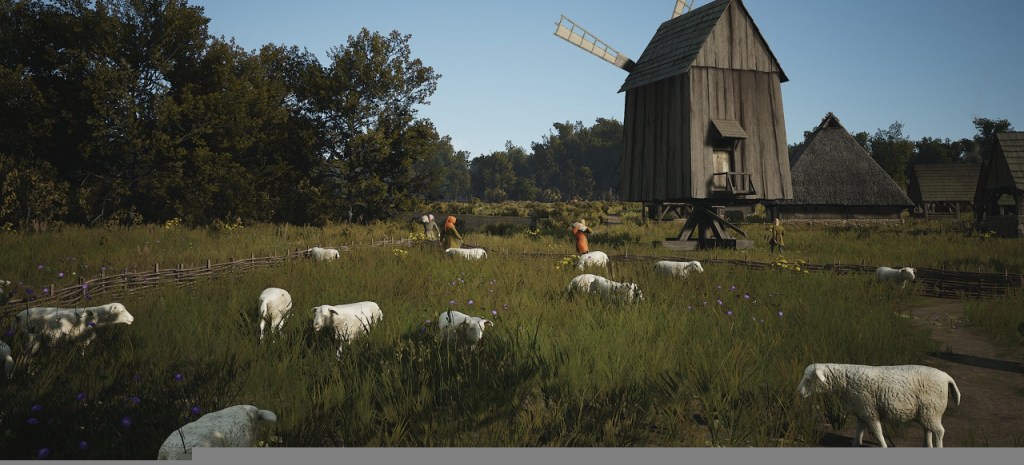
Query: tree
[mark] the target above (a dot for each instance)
(892, 151)
(986, 138)
(365, 105)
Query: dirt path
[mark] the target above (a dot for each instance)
(991, 382)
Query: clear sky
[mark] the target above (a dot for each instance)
(933, 65)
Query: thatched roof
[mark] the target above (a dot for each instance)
(834, 170)
(1012, 144)
(678, 42)
(945, 182)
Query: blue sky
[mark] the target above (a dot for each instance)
(933, 65)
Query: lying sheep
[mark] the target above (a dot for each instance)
(680, 269)
(590, 283)
(596, 258)
(234, 426)
(886, 393)
(52, 325)
(468, 254)
(470, 328)
(902, 275)
(5, 354)
(320, 253)
(275, 305)
(347, 320)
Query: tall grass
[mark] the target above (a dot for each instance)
(712, 360)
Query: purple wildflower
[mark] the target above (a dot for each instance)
(126, 420)
(746, 296)
(729, 313)
(494, 312)
(195, 410)
(91, 324)
(178, 377)
(36, 408)
(470, 302)
(135, 400)
(43, 453)
(60, 275)
(80, 397)
(732, 288)
(32, 421)
(83, 445)
(85, 285)
(40, 267)
(451, 302)
(28, 290)
(719, 301)
(46, 290)
(780, 313)
(9, 333)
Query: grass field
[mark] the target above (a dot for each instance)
(710, 360)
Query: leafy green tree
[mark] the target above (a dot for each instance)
(892, 151)
(985, 140)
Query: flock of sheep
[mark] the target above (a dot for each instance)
(872, 393)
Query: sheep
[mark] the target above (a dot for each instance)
(681, 269)
(590, 283)
(275, 305)
(468, 254)
(471, 328)
(51, 325)
(596, 258)
(886, 393)
(902, 275)
(5, 354)
(321, 254)
(235, 426)
(347, 320)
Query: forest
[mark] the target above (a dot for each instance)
(124, 112)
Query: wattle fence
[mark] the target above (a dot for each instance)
(931, 282)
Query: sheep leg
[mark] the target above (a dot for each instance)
(876, 431)
(263, 323)
(858, 438)
(933, 435)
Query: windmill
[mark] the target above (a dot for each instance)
(703, 123)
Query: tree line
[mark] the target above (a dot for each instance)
(120, 112)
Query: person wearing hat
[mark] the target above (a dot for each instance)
(430, 230)
(580, 231)
(451, 238)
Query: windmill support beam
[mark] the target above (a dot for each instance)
(712, 232)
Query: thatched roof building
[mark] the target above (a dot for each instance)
(835, 178)
(944, 189)
(1000, 191)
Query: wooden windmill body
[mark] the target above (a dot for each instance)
(703, 122)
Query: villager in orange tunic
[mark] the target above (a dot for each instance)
(580, 231)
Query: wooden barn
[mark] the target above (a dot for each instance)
(943, 190)
(835, 178)
(703, 116)
(1000, 189)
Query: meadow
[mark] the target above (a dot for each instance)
(708, 361)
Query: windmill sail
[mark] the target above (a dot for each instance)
(576, 35)
(681, 7)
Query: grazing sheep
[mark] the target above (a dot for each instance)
(468, 254)
(275, 305)
(234, 426)
(51, 325)
(901, 275)
(680, 269)
(347, 320)
(590, 283)
(471, 328)
(886, 393)
(5, 354)
(320, 254)
(596, 258)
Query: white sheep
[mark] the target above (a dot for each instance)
(596, 258)
(902, 275)
(320, 253)
(235, 426)
(347, 320)
(275, 305)
(590, 283)
(471, 328)
(5, 354)
(468, 254)
(680, 269)
(886, 393)
(52, 325)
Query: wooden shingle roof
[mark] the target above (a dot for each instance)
(945, 182)
(834, 170)
(1012, 144)
(677, 43)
